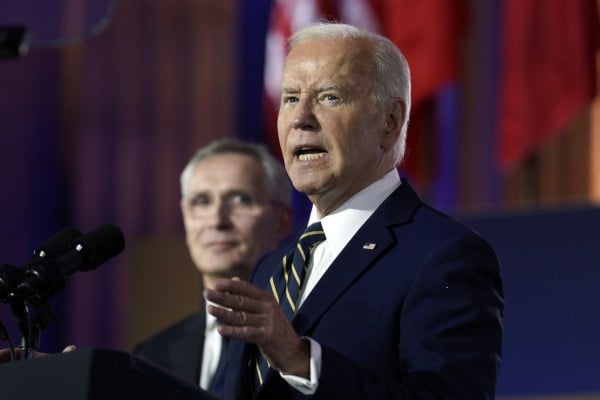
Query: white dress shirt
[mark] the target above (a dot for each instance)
(339, 227)
(211, 354)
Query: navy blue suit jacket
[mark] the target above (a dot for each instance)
(417, 317)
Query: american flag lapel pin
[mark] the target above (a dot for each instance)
(369, 246)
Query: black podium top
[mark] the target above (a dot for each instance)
(93, 374)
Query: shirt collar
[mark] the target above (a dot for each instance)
(210, 321)
(341, 224)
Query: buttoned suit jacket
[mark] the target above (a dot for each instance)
(411, 308)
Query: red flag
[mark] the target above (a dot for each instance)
(429, 33)
(548, 72)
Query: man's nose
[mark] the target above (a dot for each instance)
(219, 213)
(304, 117)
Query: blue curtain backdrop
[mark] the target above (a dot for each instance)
(98, 130)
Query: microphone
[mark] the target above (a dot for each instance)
(56, 245)
(11, 275)
(87, 252)
(14, 41)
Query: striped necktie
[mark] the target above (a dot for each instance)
(287, 281)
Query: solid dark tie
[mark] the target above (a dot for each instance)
(217, 384)
(286, 283)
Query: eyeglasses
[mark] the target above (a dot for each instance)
(203, 205)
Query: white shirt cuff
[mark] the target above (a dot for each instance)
(307, 386)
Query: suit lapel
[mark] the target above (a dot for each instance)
(186, 353)
(367, 245)
(352, 262)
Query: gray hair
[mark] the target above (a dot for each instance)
(277, 183)
(391, 75)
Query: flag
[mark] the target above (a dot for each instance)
(429, 33)
(548, 71)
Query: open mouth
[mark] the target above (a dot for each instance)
(310, 153)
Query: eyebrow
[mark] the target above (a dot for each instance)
(287, 90)
(329, 86)
(325, 88)
(225, 193)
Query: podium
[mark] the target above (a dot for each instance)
(93, 374)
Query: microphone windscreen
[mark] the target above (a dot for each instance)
(100, 245)
(10, 277)
(57, 244)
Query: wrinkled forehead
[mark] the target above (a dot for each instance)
(329, 59)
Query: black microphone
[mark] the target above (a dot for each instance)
(86, 253)
(56, 245)
(11, 275)
(14, 41)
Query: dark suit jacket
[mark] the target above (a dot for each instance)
(179, 349)
(417, 317)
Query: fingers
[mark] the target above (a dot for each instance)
(233, 317)
(244, 311)
(237, 286)
(4, 356)
(238, 296)
(233, 301)
(69, 348)
(235, 310)
(250, 314)
(238, 324)
(19, 353)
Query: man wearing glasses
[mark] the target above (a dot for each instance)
(236, 208)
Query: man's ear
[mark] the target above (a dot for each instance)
(396, 116)
(394, 120)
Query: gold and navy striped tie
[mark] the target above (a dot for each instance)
(287, 281)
